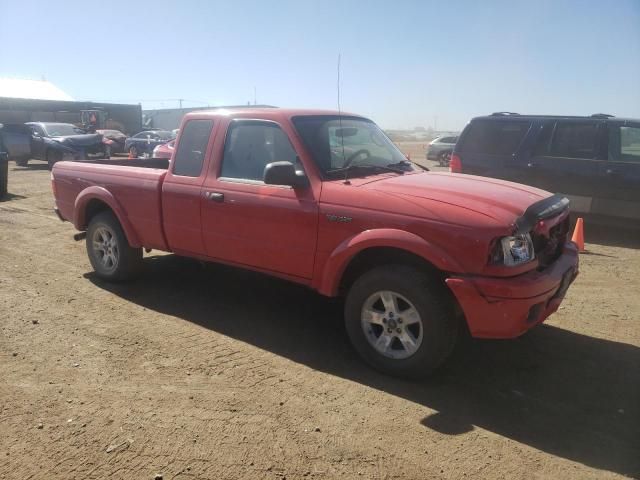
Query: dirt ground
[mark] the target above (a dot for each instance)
(203, 371)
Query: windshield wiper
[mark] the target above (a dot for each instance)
(387, 168)
(407, 163)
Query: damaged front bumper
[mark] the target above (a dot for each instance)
(507, 307)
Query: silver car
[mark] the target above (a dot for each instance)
(440, 149)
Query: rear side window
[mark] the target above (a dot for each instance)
(541, 147)
(493, 137)
(624, 144)
(192, 148)
(574, 140)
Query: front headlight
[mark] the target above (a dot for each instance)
(512, 251)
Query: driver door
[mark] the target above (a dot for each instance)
(38, 148)
(247, 222)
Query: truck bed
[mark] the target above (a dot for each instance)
(134, 191)
(161, 163)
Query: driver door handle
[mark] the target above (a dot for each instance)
(215, 196)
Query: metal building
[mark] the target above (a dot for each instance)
(170, 118)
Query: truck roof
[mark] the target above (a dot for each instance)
(266, 113)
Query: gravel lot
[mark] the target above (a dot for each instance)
(203, 371)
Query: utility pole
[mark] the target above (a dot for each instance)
(254, 96)
(435, 123)
(180, 101)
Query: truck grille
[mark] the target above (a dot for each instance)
(548, 246)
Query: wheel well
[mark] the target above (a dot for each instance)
(378, 256)
(93, 208)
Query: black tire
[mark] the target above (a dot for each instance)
(444, 159)
(128, 260)
(438, 323)
(53, 157)
(22, 162)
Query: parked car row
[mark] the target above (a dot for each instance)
(144, 143)
(115, 139)
(53, 141)
(440, 149)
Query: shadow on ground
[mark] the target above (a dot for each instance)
(564, 393)
(30, 166)
(7, 197)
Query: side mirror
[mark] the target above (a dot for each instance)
(284, 173)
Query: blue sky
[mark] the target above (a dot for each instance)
(404, 63)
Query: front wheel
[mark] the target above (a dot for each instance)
(109, 252)
(400, 321)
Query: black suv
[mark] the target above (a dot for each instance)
(595, 161)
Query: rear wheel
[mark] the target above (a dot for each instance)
(22, 162)
(109, 252)
(399, 320)
(53, 157)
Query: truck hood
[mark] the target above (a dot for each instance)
(495, 199)
(79, 140)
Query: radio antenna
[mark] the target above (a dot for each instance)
(346, 172)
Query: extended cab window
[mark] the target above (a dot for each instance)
(192, 148)
(495, 137)
(574, 140)
(624, 144)
(251, 145)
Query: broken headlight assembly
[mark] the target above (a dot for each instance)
(513, 250)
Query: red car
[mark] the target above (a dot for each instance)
(326, 200)
(164, 151)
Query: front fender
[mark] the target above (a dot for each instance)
(339, 259)
(100, 193)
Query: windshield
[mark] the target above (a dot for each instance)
(62, 129)
(338, 143)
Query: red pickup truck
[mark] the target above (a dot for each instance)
(325, 199)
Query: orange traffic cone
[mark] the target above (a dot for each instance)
(578, 235)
